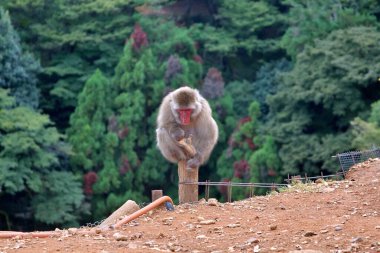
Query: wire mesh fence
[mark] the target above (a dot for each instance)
(349, 159)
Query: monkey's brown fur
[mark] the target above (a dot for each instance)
(185, 98)
(202, 128)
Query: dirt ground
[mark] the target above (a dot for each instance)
(340, 216)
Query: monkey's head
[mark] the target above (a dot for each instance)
(185, 104)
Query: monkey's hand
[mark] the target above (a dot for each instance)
(194, 162)
(177, 134)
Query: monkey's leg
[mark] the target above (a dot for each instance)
(169, 147)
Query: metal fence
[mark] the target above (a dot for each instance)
(348, 159)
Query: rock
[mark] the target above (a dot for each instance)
(202, 201)
(252, 240)
(207, 222)
(136, 236)
(212, 202)
(167, 221)
(273, 227)
(160, 236)
(324, 231)
(120, 237)
(256, 249)
(377, 227)
(236, 225)
(319, 181)
(338, 228)
(309, 234)
(356, 240)
(200, 218)
(132, 245)
(328, 189)
(72, 231)
(201, 237)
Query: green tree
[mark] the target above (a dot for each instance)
(241, 33)
(31, 168)
(310, 20)
(18, 70)
(233, 162)
(72, 40)
(88, 123)
(367, 133)
(122, 150)
(331, 83)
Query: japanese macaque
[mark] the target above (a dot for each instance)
(185, 113)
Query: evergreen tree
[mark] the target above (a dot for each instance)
(118, 149)
(87, 133)
(241, 34)
(330, 84)
(31, 170)
(72, 40)
(17, 70)
(367, 133)
(310, 20)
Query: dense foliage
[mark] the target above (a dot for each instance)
(290, 83)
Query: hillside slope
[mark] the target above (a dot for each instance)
(340, 216)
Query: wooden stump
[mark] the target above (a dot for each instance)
(187, 192)
(156, 194)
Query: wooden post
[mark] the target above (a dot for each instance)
(156, 194)
(187, 192)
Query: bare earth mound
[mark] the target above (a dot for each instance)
(340, 216)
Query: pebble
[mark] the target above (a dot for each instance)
(273, 227)
(252, 240)
(212, 202)
(207, 222)
(309, 234)
(201, 237)
(356, 239)
(236, 225)
(72, 231)
(120, 237)
(338, 228)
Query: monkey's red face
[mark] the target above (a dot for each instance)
(184, 115)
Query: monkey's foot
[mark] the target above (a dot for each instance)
(193, 163)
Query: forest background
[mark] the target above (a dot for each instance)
(290, 82)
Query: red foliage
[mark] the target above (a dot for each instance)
(140, 39)
(241, 169)
(244, 120)
(250, 143)
(223, 189)
(122, 133)
(125, 166)
(198, 59)
(89, 179)
(272, 172)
